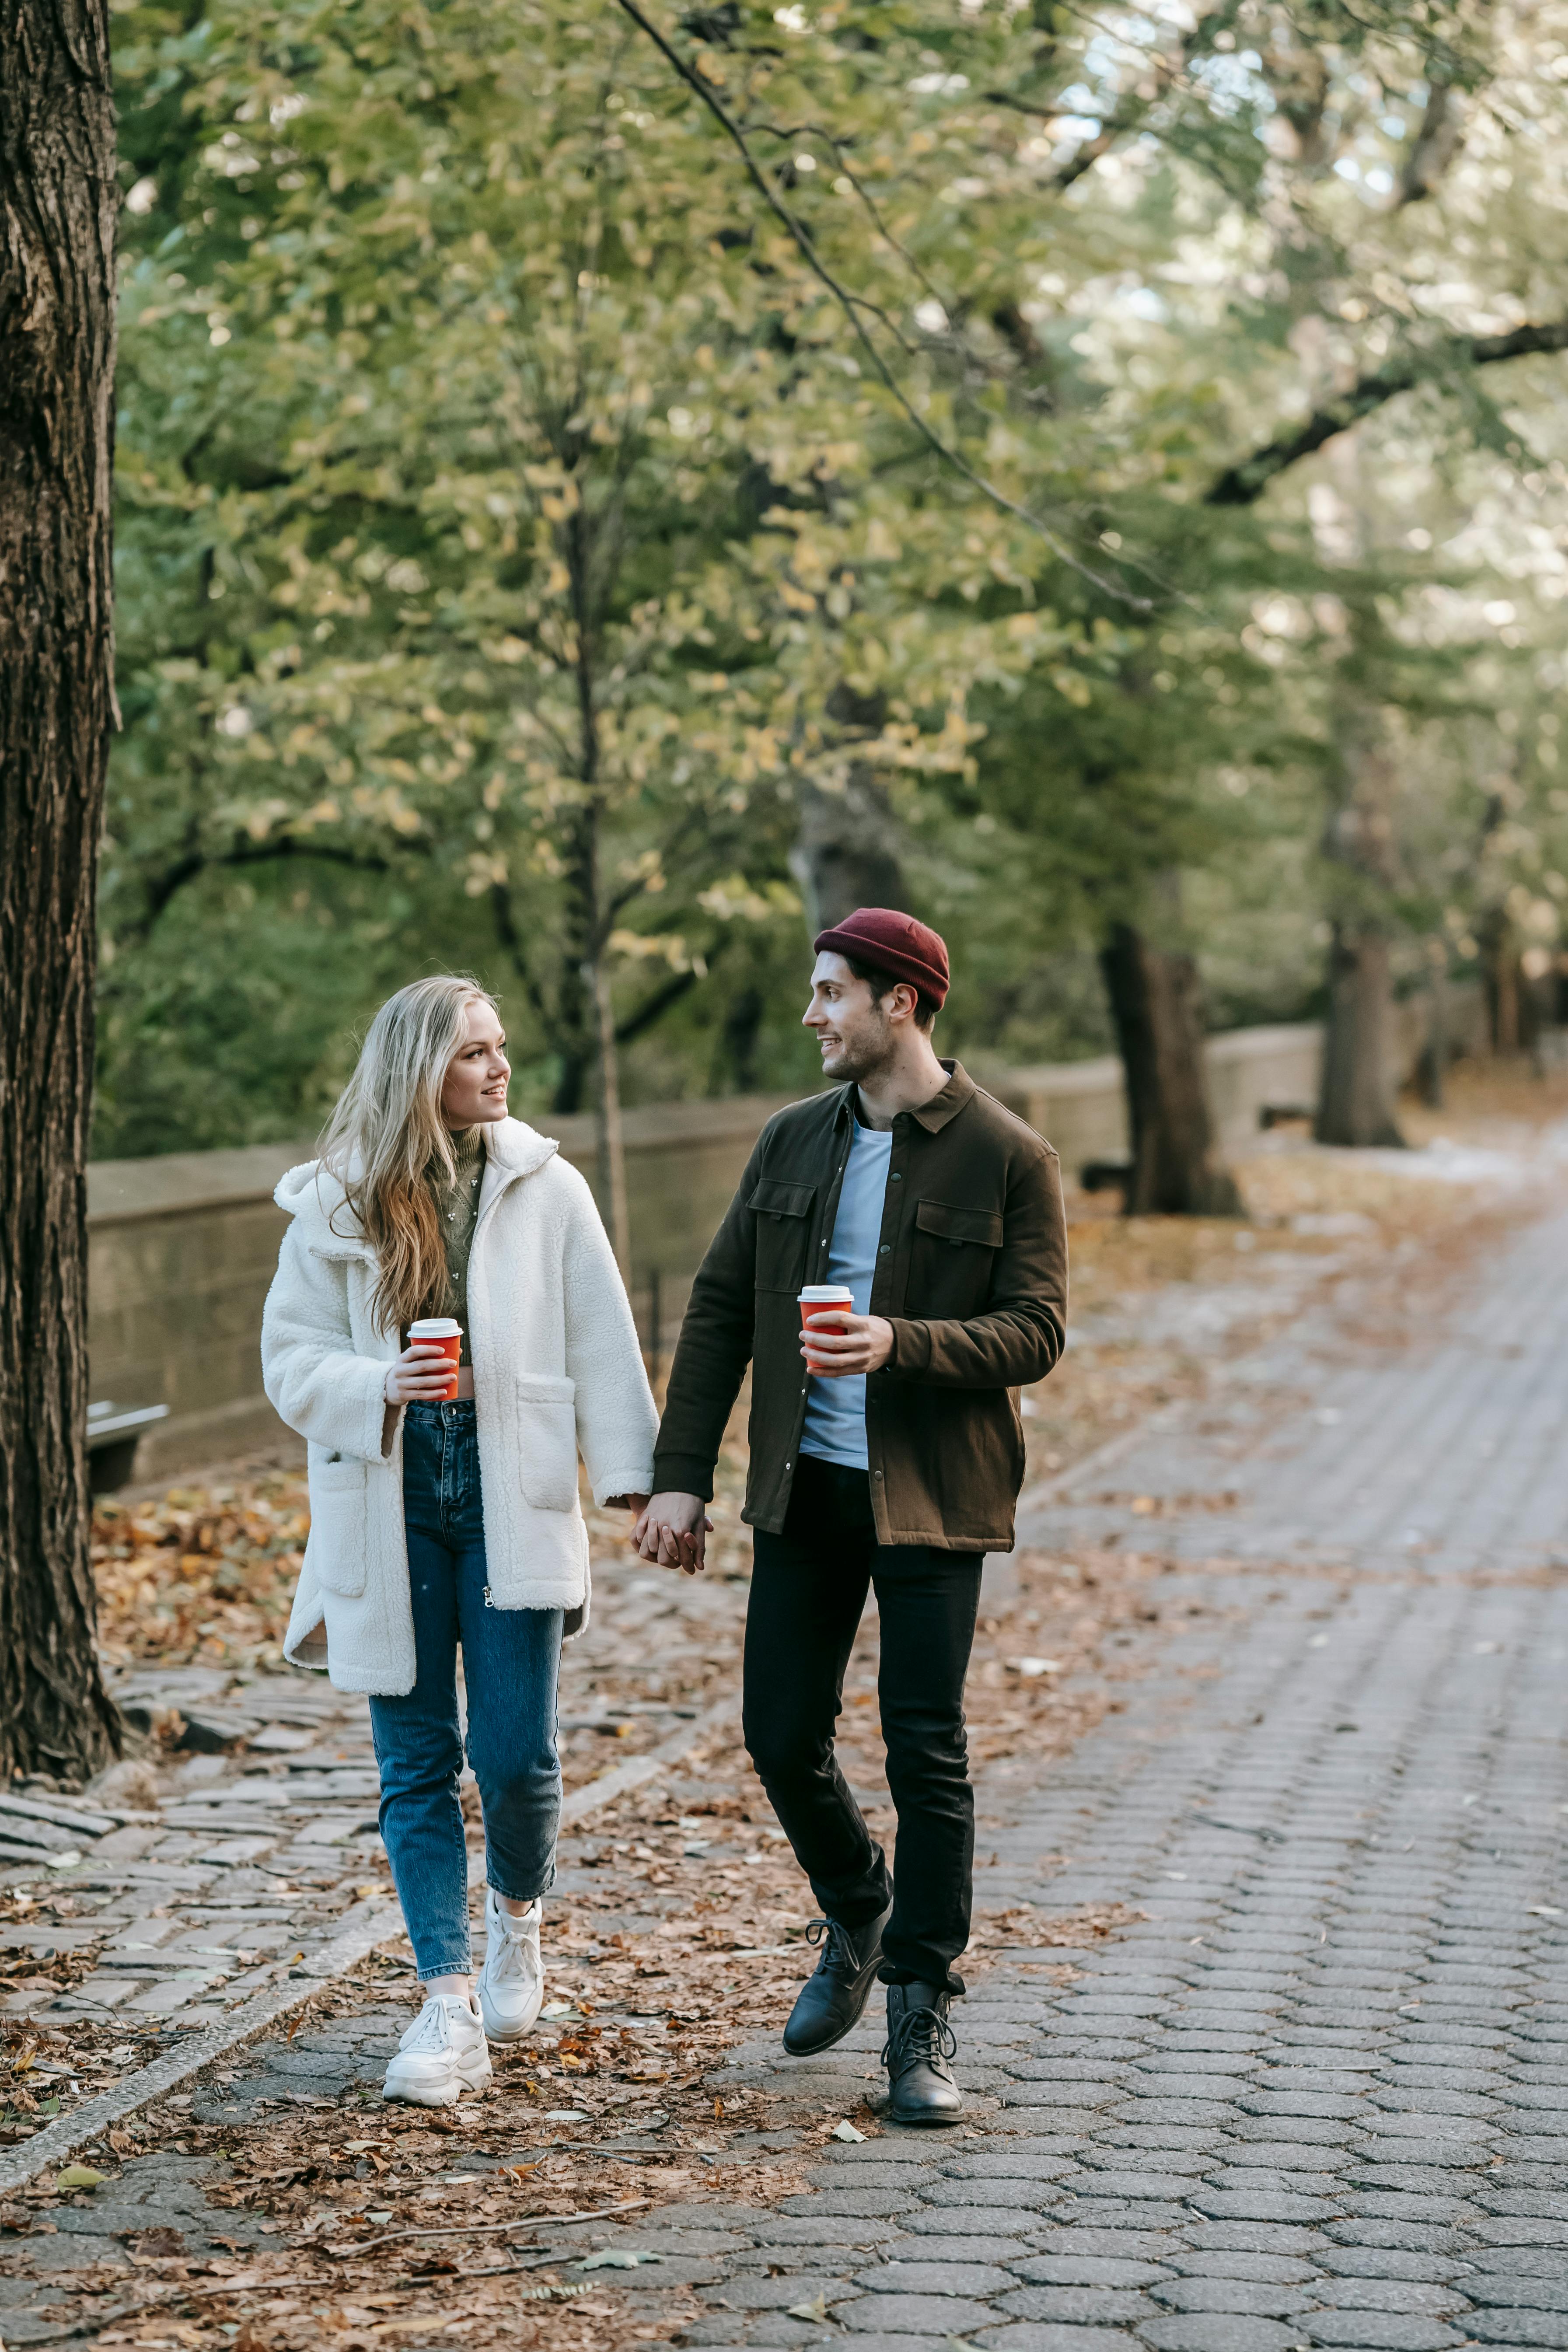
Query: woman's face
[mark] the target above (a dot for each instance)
(476, 1075)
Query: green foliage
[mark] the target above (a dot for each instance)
(540, 469)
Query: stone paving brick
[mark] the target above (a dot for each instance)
(1387, 2262)
(1378, 2331)
(1080, 2306)
(776, 2229)
(1522, 2327)
(778, 2293)
(934, 2277)
(1262, 2298)
(1086, 2269)
(1214, 2331)
(912, 2315)
(1015, 2252)
(1390, 2295)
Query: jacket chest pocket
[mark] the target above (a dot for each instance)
(951, 1259)
(782, 1213)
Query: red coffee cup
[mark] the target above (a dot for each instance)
(822, 1299)
(441, 1331)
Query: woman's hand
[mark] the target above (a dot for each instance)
(672, 1530)
(421, 1375)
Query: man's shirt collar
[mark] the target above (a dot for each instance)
(933, 1115)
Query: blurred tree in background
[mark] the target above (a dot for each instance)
(602, 487)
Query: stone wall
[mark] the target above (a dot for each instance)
(182, 1247)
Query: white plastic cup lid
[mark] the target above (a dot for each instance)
(826, 1294)
(436, 1326)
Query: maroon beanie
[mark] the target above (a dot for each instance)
(893, 942)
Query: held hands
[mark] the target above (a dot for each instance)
(421, 1375)
(673, 1531)
(835, 1343)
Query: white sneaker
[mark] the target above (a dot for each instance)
(443, 2055)
(511, 1982)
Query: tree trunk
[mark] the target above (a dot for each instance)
(1156, 1003)
(58, 209)
(844, 855)
(1504, 991)
(735, 1062)
(1355, 1104)
(1432, 1070)
(612, 1143)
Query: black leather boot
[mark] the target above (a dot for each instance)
(920, 2043)
(833, 1997)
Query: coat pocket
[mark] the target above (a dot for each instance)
(547, 1441)
(951, 1257)
(340, 1538)
(982, 1226)
(782, 1213)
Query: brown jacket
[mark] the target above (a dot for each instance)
(971, 1273)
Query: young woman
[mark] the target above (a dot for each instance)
(436, 1523)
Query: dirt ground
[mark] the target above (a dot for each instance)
(369, 2233)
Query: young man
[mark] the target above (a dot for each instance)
(894, 1459)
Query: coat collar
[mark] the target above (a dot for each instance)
(934, 1115)
(333, 1230)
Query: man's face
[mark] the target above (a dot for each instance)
(851, 1028)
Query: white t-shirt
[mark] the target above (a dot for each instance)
(834, 1427)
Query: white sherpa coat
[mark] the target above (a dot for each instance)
(556, 1367)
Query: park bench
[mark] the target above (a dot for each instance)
(113, 1434)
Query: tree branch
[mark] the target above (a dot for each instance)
(1241, 485)
(655, 1005)
(852, 305)
(167, 884)
(512, 939)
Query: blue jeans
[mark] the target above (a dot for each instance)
(511, 1658)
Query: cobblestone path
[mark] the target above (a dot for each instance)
(1318, 2094)
(226, 1872)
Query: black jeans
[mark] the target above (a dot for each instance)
(809, 1590)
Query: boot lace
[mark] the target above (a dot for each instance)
(839, 1958)
(919, 2034)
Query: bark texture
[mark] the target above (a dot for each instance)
(1356, 1105)
(845, 855)
(58, 209)
(1157, 1006)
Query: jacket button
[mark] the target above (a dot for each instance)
(884, 1249)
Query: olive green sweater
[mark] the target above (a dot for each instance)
(458, 1206)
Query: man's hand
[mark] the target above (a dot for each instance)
(673, 1531)
(836, 1343)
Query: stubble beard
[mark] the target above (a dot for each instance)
(871, 1056)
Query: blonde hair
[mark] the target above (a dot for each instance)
(387, 1132)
